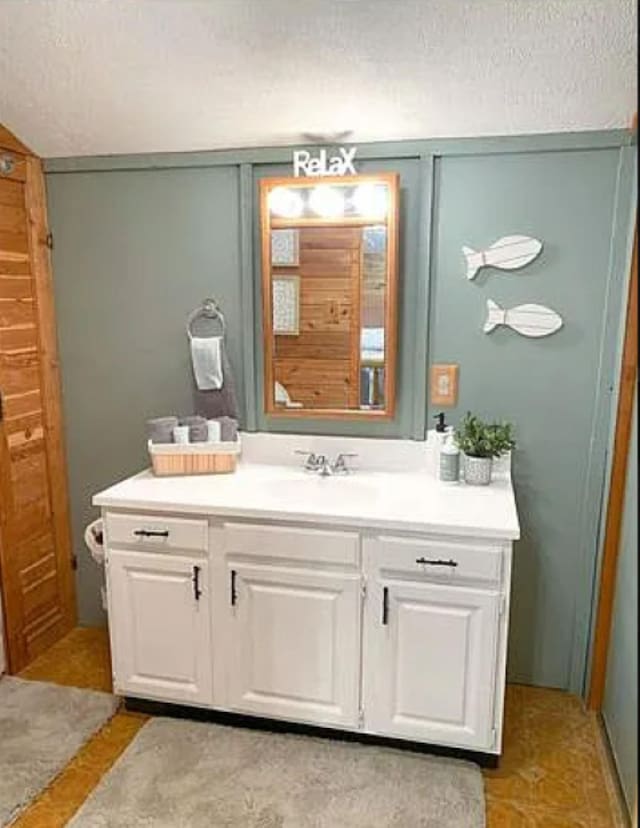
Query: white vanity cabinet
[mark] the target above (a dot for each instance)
(159, 610)
(375, 604)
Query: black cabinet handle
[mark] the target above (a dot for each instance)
(385, 606)
(436, 562)
(197, 592)
(234, 593)
(152, 533)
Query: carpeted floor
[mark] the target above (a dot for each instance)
(42, 726)
(180, 773)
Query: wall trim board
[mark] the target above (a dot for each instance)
(421, 325)
(542, 142)
(594, 490)
(247, 295)
(613, 492)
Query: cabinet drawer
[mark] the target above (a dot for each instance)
(156, 532)
(435, 559)
(294, 544)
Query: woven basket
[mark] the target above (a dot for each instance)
(193, 458)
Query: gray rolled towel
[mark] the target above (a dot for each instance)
(198, 429)
(160, 429)
(228, 429)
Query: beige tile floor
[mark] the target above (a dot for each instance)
(552, 773)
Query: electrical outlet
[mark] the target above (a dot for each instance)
(444, 384)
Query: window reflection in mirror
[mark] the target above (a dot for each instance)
(329, 295)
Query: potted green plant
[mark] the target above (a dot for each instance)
(479, 443)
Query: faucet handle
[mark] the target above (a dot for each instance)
(312, 462)
(340, 463)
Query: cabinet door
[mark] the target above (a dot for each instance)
(160, 625)
(430, 662)
(293, 643)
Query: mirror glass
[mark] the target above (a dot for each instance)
(329, 261)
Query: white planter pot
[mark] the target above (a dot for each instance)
(477, 470)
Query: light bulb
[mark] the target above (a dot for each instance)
(371, 200)
(326, 201)
(285, 203)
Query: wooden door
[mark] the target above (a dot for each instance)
(430, 663)
(160, 625)
(293, 643)
(35, 551)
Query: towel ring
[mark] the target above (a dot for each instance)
(208, 310)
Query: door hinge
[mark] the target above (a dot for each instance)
(74, 562)
(502, 605)
(361, 717)
(49, 241)
(494, 737)
(363, 587)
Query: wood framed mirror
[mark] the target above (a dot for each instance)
(329, 295)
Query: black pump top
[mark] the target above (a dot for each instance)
(440, 425)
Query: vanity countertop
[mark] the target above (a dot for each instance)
(411, 501)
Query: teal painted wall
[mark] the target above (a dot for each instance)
(155, 236)
(546, 387)
(134, 253)
(620, 710)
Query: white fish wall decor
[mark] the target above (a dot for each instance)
(508, 253)
(528, 320)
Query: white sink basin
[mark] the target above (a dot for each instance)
(339, 488)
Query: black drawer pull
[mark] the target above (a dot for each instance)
(152, 533)
(234, 592)
(436, 562)
(197, 592)
(385, 606)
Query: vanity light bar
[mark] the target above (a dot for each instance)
(326, 201)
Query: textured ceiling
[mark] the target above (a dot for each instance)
(84, 77)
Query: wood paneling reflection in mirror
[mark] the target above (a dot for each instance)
(329, 285)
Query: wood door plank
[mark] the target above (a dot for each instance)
(19, 372)
(16, 287)
(16, 313)
(11, 242)
(19, 266)
(13, 219)
(11, 193)
(19, 338)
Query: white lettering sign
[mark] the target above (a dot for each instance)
(304, 164)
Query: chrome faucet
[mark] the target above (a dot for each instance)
(321, 464)
(313, 461)
(340, 463)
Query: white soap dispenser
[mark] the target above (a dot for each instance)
(449, 465)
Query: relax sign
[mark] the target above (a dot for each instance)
(342, 164)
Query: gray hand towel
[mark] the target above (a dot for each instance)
(160, 429)
(221, 402)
